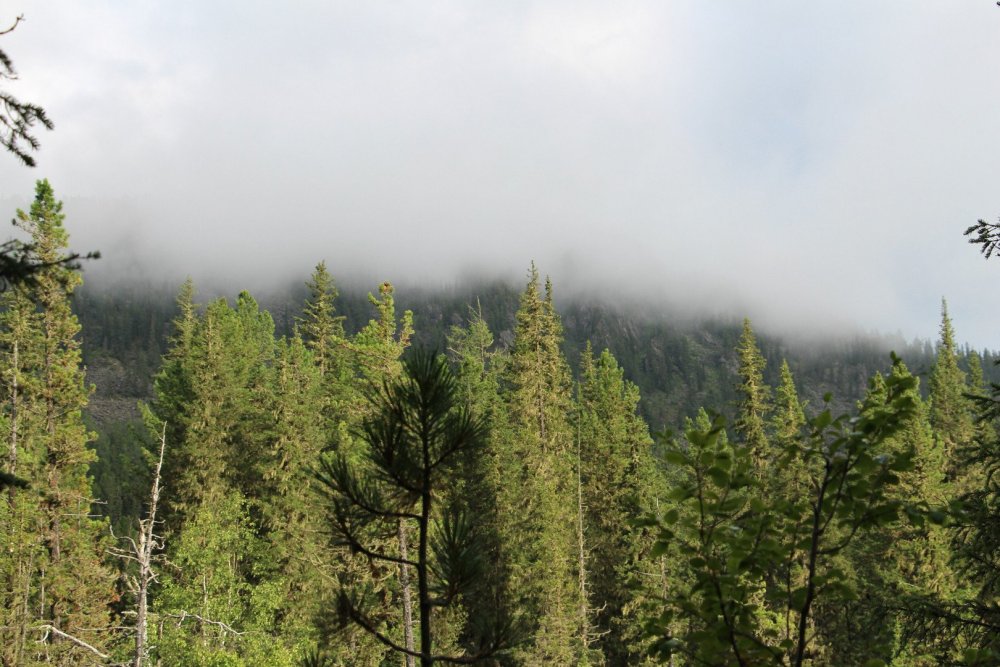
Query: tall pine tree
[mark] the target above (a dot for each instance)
(619, 481)
(950, 410)
(755, 398)
(539, 500)
(55, 581)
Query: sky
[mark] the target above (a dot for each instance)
(811, 165)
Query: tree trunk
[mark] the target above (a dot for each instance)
(404, 580)
(147, 541)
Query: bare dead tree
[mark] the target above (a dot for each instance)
(145, 550)
(148, 542)
(142, 552)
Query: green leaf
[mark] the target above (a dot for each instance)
(718, 476)
(676, 457)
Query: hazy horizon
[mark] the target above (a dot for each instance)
(809, 166)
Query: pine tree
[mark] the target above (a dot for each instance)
(323, 332)
(481, 480)
(950, 410)
(56, 582)
(415, 433)
(788, 418)
(539, 501)
(755, 398)
(362, 365)
(618, 483)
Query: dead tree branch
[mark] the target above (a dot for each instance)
(51, 629)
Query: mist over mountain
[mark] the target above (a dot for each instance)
(809, 166)
(681, 361)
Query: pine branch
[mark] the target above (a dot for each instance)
(364, 622)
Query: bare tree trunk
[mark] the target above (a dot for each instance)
(147, 542)
(404, 580)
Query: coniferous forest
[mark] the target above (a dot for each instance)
(487, 477)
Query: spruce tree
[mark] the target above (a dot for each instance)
(539, 501)
(788, 418)
(359, 366)
(619, 481)
(950, 410)
(291, 515)
(755, 398)
(322, 330)
(482, 478)
(241, 406)
(57, 585)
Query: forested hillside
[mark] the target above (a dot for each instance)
(306, 483)
(679, 364)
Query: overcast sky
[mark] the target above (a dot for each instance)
(810, 164)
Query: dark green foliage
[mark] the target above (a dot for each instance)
(950, 409)
(678, 366)
(416, 432)
(755, 399)
(52, 571)
(986, 235)
(619, 480)
(121, 475)
(18, 118)
(732, 536)
(536, 524)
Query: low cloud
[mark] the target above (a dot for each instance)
(810, 165)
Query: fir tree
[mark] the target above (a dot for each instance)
(246, 413)
(291, 516)
(539, 500)
(755, 398)
(56, 583)
(950, 410)
(482, 477)
(788, 418)
(618, 483)
(322, 330)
